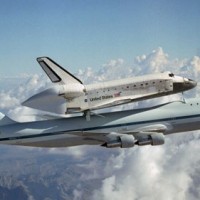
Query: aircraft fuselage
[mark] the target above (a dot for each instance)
(176, 116)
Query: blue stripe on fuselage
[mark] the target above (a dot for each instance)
(98, 128)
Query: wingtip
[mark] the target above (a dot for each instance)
(42, 58)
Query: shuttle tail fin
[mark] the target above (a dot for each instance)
(56, 73)
(5, 120)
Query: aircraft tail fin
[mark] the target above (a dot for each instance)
(5, 120)
(56, 73)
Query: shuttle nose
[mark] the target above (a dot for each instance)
(190, 83)
(182, 84)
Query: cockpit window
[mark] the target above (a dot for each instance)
(171, 75)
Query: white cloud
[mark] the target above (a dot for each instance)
(76, 152)
(12, 98)
(77, 194)
(156, 61)
(195, 63)
(152, 173)
(167, 172)
(7, 101)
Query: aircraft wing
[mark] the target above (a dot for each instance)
(110, 103)
(115, 102)
(152, 134)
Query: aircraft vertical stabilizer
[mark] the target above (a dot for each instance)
(56, 73)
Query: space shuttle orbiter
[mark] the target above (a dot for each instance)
(69, 94)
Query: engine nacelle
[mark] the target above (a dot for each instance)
(124, 141)
(152, 139)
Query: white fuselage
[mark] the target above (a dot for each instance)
(176, 116)
(76, 97)
(116, 92)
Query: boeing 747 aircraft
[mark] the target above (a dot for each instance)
(118, 129)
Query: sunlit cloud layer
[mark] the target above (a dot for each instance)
(166, 172)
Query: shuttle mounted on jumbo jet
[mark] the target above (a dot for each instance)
(69, 94)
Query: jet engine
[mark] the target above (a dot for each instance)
(124, 141)
(151, 139)
(127, 141)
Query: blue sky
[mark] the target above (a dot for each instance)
(79, 34)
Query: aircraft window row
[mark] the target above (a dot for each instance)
(127, 87)
(147, 84)
(142, 84)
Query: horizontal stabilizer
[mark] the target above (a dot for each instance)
(56, 73)
(4, 120)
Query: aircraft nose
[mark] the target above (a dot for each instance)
(190, 83)
(183, 84)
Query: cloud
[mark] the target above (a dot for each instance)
(7, 101)
(77, 194)
(166, 172)
(12, 98)
(156, 61)
(75, 152)
(195, 63)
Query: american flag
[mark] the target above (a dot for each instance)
(117, 94)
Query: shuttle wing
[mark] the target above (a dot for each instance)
(120, 101)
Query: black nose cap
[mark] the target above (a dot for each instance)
(191, 83)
